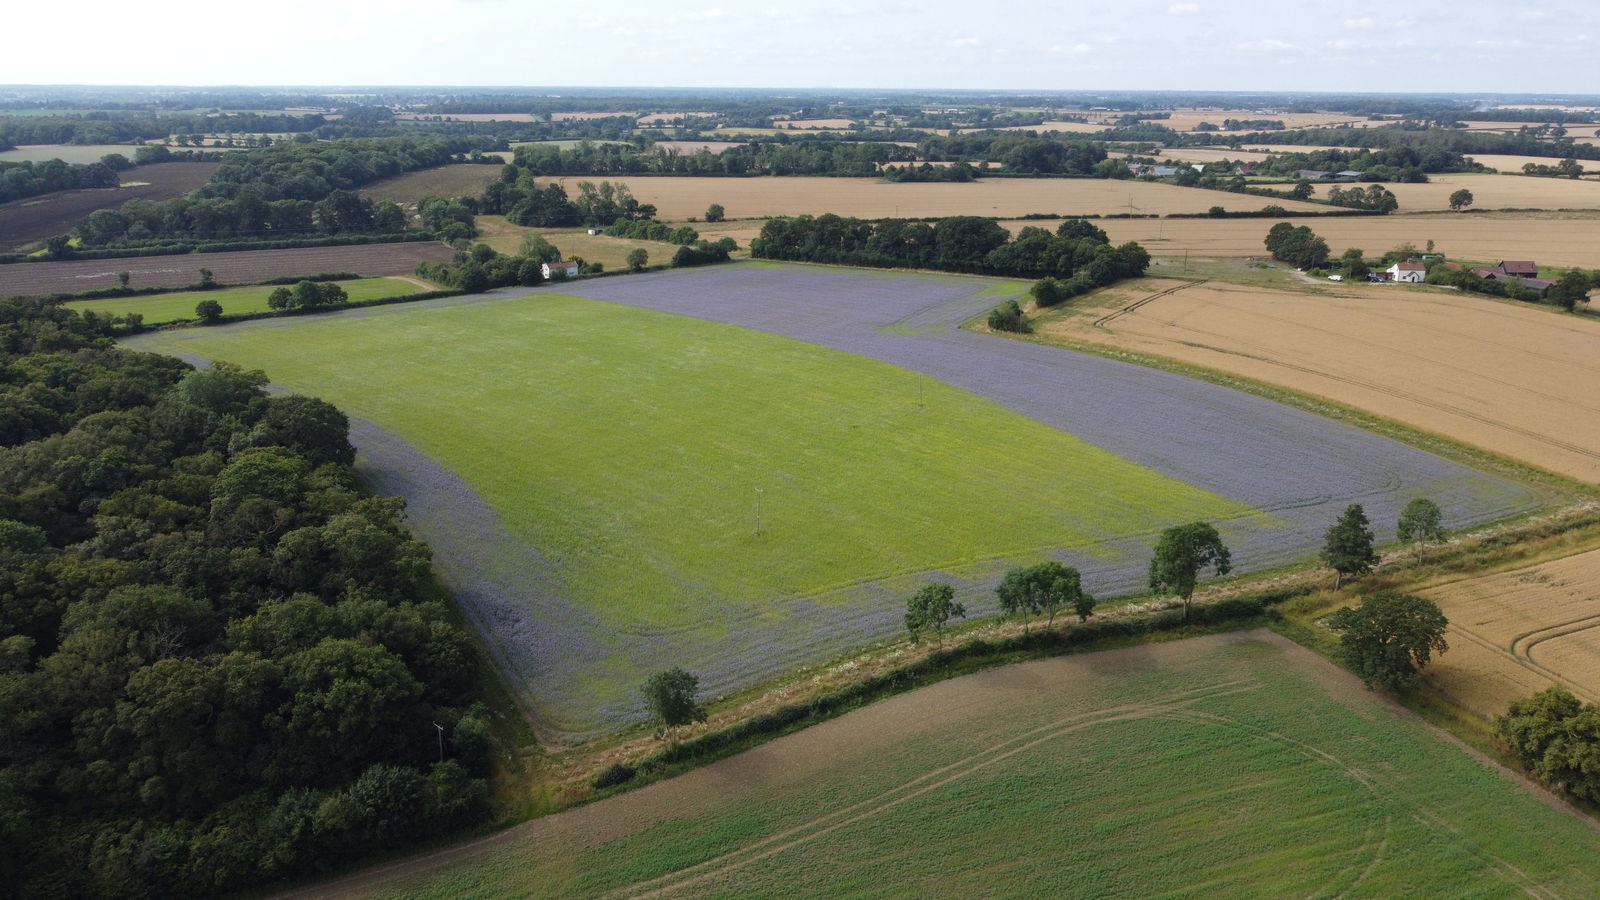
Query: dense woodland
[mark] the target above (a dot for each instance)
(221, 662)
(281, 191)
(1078, 250)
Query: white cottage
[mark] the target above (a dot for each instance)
(1412, 272)
(565, 268)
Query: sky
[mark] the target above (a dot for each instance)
(1461, 46)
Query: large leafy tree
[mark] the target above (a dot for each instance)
(670, 695)
(1047, 588)
(930, 609)
(1180, 554)
(1390, 637)
(1348, 548)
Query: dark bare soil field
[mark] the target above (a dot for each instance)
(25, 223)
(240, 267)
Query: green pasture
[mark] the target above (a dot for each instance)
(1218, 767)
(631, 448)
(158, 308)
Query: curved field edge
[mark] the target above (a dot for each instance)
(632, 469)
(1552, 488)
(1240, 763)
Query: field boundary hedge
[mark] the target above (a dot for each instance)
(187, 247)
(954, 661)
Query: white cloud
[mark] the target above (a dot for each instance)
(1183, 9)
(965, 42)
(1363, 23)
(1265, 44)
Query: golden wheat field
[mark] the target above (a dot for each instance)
(584, 116)
(1496, 374)
(1070, 127)
(670, 118)
(1207, 154)
(1518, 632)
(1551, 239)
(1494, 192)
(612, 252)
(1188, 119)
(679, 198)
(1508, 164)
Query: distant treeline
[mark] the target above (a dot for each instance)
(128, 127)
(955, 244)
(1527, 142)
(221, 662)
(518, 197)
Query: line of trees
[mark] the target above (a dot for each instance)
(221, 662)
(956, 244)
(29, 179)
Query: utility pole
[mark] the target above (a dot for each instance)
(441, 740)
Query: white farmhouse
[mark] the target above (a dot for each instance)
(1412, 272)
(565, 268)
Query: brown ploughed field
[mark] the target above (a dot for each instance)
(27, 222)
(1492, 373)
(1518, 632)
(238, 267)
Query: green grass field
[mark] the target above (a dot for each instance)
(158, 308)
(629, 444)
(1227, 766)
(628, 447)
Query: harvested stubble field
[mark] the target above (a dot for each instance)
(1514, 633)
(1549, 238)
(1494, 192)
(690, 147)
(1206, 154)
(1233, 766)
(1069, 127)
(680, 198)
(1514, 164)
(445, 181)
(25, 223)
(159, 308)
(606, 462)
(239, 267)
(1491, 373)
(475, 117)
(612, 252)
(1187, 120)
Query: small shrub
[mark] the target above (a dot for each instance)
(614, 774)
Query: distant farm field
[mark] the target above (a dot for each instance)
(1227, 766)
(239, 267)
(71, 153)
(444, 181)
(159, 308)
(1494, 192)
(1518, 632)
(1550, 239)
(1485, 372)
(680, 198)
(612, 252)
(1189, 119)
(634, 450)
(28, 222)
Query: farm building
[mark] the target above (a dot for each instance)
(1410, 272)
(1521, 268)
(565, 268)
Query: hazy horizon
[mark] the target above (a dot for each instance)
(1408, 46)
